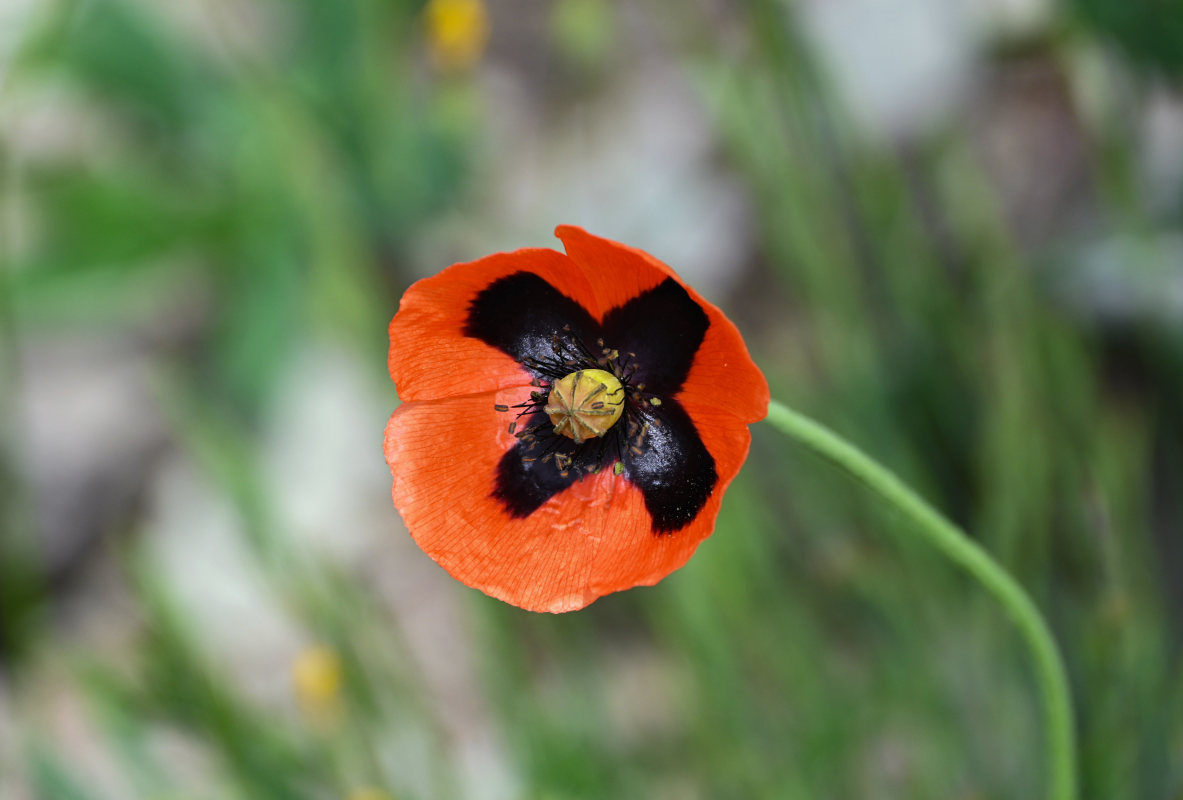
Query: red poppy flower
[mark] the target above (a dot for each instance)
(569, 422)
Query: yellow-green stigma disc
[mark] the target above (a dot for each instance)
(585, 404)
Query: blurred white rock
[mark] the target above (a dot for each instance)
(1161, 151)
(1016, 18)
(322, 454)
(87, 429)
(635, 163)
(902, 67)
(1124, 279)
(195, 548)
(899, 66)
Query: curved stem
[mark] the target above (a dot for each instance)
(954, 544)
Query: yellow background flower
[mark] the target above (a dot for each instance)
(457, 31)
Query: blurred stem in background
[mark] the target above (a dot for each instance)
(21, 586)
(955, 545)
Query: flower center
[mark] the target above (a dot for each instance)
(585, 404)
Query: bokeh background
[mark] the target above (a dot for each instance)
(950, 229)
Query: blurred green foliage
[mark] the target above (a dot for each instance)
(289, 177)
(1148, 32)
(271, 179)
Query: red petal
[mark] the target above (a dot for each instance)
(616, 273)
(590, 540)
(723, 374)
(430, 357)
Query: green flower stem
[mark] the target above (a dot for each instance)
(958, 547)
